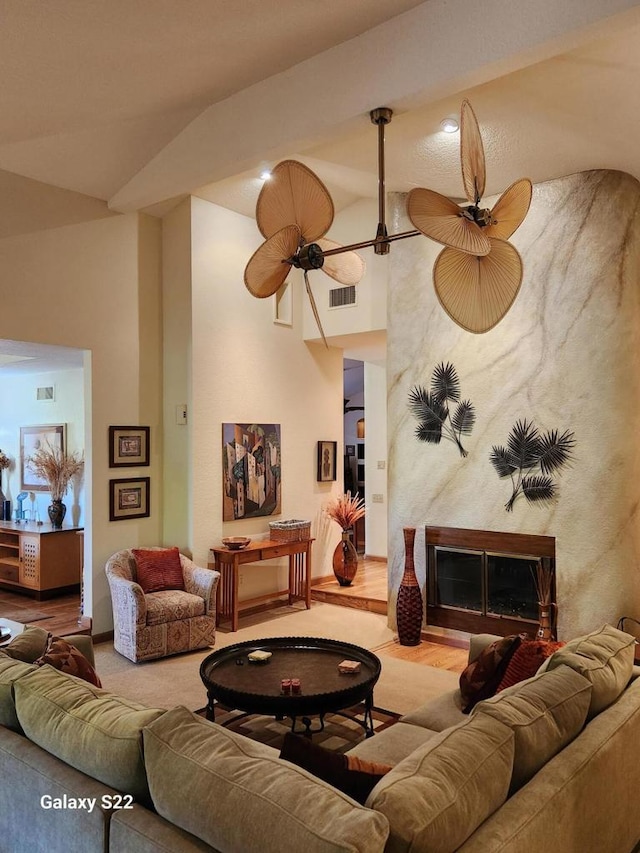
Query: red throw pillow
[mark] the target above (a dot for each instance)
(64, 656)
(158, 570)
(348, 773)
(526, 661)
(481, 678)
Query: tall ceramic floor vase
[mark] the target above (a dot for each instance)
(409, 604)
(345, 560)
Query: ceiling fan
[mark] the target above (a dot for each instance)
(295, 210)
(478, 275)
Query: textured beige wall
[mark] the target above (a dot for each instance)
(566, 356)
(246, 369)
(96, 286)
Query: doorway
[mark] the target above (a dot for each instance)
(354, 439)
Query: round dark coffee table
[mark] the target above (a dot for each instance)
(255, 688)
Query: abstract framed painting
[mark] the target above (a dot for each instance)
(251, 470)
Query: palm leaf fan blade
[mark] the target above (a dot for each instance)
(429, 433)
(294, 195)
(477, 292)
(464, 417)
(347, 267)
(509, 211)
(555, 450)
(538, 488)
(502, 462)
(426, 407)
(445, 384)
(471, 154)
(265, 273)
(524, 445)
(439, 218)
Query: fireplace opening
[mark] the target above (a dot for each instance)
(480, 580)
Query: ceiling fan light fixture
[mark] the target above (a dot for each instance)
(449, 125)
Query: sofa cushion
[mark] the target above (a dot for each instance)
(439, 794)
(605, 658)
(393, 744)
(89, 728)
(158, 569)
(481, 677)
(63, 655)
(546, 714)
(28, 645)
(10, 670)
(526, 661)
(439, 713)
(350, 774)
(258, 802)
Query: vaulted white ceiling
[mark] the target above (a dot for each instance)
(118, 106)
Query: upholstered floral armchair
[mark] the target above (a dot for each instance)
(155, 624)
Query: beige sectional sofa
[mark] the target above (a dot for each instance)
(551, 764)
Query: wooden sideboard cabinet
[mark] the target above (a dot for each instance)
(38, 560)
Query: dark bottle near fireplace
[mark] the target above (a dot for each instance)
(409, 608)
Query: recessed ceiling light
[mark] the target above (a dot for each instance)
(264, 176)
(449, 125)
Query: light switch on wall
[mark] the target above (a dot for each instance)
(381, 464)
(377, 499)
(181, 414)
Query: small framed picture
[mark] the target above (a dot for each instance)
(327, 451)
(128, 446)
(129, 498)
(350, 450)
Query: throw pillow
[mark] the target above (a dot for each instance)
(64, 656)
(526, 661)
(348, 773)
(158, 569)
(482, 676)
(29, 645)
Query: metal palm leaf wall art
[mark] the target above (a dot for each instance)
(433, 412)
(478, 275)
(529, 459)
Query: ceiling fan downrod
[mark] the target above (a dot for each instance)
(381, 117)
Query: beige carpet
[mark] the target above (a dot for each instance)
(164, 683)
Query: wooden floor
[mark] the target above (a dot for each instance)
(58, 615)
(368, 591)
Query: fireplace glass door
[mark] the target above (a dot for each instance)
(486, 583)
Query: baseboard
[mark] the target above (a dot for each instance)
(107, 637)
(375, 558)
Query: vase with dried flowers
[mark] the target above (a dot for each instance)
(58, 468)
(4, 464)
(547, 608)
(5, 505)
(345, 510)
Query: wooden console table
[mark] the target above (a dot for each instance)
(39, 560)
(228, 564)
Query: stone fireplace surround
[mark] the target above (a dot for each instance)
(567, 356)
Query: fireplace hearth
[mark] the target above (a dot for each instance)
(484, 581)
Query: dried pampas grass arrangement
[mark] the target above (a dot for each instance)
(346, 510)
(56, 467)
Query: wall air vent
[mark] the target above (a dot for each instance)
(46, 392)
(342, 297)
